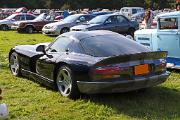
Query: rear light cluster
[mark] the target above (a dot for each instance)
(110, 72)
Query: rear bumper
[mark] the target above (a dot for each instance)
(121, 86)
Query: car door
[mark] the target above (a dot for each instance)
(168, 36)
(110, 24)
(30, 17)
(122, 25)
(19, 18)
(45, 65)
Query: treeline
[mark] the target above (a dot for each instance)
(91, 4)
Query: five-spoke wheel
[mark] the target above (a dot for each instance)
(14, 64)
(66, 84)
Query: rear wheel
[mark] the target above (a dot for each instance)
(66, 83)
(4, 27)
(29, 29)
(64, 30)
(131, 32)
(14, 64)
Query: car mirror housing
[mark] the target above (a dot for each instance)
(41, 48)
(78, 21)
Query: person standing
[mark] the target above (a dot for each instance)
(148, 19)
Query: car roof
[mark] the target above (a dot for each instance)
(79, 35)
(176, 13)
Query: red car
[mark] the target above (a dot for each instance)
(33, 25)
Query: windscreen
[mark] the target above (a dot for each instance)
(111, 45)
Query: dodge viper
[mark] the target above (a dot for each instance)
(90, 62)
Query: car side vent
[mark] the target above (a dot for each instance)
(143, 38)
(145, 44)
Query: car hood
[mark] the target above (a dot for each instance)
(29, 50)
(57, 23)
(84, 26)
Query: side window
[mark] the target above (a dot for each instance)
(134, 11)
(29, 17)
(82, 19)
(61, 45)
(17, 18)
(168, 23)
(88, 17)
(121, 19)
(111, 20)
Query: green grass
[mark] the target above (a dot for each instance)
(28, 100)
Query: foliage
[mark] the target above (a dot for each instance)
(28, 100)
(92, 4)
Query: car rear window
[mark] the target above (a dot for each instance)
(111, 45)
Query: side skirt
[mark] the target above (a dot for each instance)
(38, 78)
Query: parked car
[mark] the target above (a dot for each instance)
(79, 62)
(139, 17)
(33, 25)
(6, 23)
(3, 109)
(65, 25)
(129, 11)
(115, 23)
(164, 38)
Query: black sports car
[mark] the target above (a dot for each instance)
(90, 62)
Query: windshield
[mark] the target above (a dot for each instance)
(71, 18)
(41, 17)
(111, 45)
(98, 19)
(10, 17)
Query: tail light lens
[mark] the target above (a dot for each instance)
(109, 72)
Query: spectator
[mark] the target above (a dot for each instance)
(178, 6)
(148, 18)
(65, 13)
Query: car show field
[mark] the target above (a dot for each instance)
(27, 99)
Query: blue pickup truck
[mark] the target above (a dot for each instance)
(166, 37)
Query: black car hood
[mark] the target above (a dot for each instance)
(29, 50)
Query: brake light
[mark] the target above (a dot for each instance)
(109, 72)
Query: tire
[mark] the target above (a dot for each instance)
(131, 32)
(66, 84)
(29, 29)
(14, 64)
(64, 30)
(4, 27)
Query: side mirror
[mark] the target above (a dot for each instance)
(41, 48)
(13, 20)
(78, 21)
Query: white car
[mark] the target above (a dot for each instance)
(6, 23)
(63, 26)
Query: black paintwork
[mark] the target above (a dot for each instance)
(44, 67)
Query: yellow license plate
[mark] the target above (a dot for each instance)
(141, 69)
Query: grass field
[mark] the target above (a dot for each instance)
(28, 100)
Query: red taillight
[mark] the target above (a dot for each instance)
(107, 70)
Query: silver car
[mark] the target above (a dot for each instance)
(63, 26)
(6, 23)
